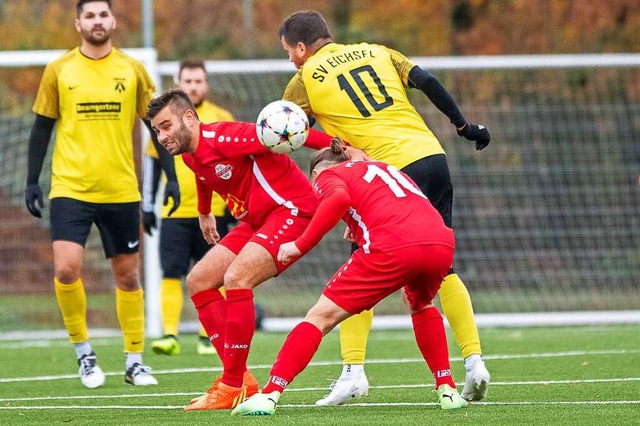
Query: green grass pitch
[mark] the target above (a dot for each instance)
(542, 376)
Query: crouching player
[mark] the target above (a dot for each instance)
(403, 243)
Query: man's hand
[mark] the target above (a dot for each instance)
(149, 222)
(208, 228)
(172, 190)
(348, 235)
(287, 252)
(34, 199)
(477, 133)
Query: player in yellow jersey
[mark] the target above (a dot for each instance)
(92, 95)
(181, 240)
(358, 92)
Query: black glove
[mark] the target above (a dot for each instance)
(172, 190)
(149, 222)
(477, 133)
(32, 198)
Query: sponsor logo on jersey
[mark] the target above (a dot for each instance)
(224, 171)
(95, 107)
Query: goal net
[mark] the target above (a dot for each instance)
(547, 217)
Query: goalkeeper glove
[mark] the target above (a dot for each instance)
(172, 190)
(32, 198)
(149, 222)
(477, 133)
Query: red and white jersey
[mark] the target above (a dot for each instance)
(253, 181)
(382, 206)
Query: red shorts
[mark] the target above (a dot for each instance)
(280, 227)
(366, 279)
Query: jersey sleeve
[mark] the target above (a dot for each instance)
(402, 64)
(47, 100)
(146, 89)
(296, 92)
(317, 139)
(334, 203)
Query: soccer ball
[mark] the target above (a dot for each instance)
(282, 127)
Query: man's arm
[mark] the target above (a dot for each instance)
(151, 171)
(38, 144)
(440, 97)
(171, 188)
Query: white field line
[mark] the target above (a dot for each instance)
(495, 357)
(288, 406)
(413, 386)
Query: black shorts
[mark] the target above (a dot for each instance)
(433, 178)
(181, 243)
(118, 223)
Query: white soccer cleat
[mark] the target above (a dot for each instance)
(139, 375)
(260, 404)
(91, 375)
(449, 398)
(476, 381)
(346, 388)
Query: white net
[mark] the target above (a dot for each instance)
(546, 218)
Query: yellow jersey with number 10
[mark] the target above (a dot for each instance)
(208, 113)
(357, 92)
(95, 104)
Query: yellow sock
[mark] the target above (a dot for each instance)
(130, 310)
(171, 304)
(73, 305)
(354, 332)
(458, 309)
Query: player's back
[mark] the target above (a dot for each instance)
(387, 210)
(357, 92)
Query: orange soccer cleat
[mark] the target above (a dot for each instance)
(249, 382)
(218, 397)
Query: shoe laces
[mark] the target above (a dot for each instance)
(140, 370)
(87, 363)
(214, 386)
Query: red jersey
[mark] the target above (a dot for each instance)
(253, 181)
(382, 206)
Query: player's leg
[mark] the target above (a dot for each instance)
(433, 177)
(175, 238)
(294, 356)
(354, 334)
(119, 226)
(426, 267)
(71, 222)
(200, 247)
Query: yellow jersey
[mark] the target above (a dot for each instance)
(94, 103)
(358, 92)
(208, 113)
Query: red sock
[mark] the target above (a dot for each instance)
(432, 341)
(238, 334)
(296, 353)
(212, 312)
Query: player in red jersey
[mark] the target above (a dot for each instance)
(403, 243)
(274, 202)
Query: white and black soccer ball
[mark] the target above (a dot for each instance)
(282, 127)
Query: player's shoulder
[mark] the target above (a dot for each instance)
(66, 58)
(216, 112)
(127, 59)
